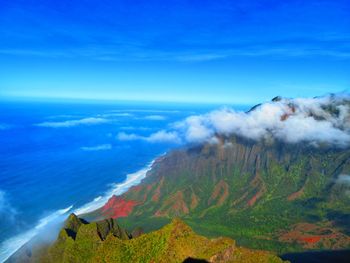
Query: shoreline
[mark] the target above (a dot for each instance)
(11, 245)
(132, 179)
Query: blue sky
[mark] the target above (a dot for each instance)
(188, 51)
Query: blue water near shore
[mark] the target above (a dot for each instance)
(57, 158)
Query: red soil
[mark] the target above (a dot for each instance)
(220, 193)
(253, 200)
(296, 195)
(194, 201)
(157, 192)
(118, 207)
(257, 183)
(313, 236)
(313, 239)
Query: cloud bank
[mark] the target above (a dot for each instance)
(72, 123)
(315, 121)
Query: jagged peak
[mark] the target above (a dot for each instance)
(72, 225)
(111, 226)
(277, 98)
(73, 219)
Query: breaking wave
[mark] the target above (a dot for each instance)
(116, 189)
(11, 245)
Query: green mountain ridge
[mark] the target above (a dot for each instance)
(106, 241)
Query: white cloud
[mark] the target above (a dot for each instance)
(63, 116)
(155, 117)
(117, 114)
(122, 136)
(139, 128)
(101, 147)
(72, 123)
(195, 129)
(163, 136)
(157, 137)
(150, 111)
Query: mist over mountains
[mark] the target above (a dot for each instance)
(319, 120)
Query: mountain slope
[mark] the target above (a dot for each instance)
(261, 192)
(105, 241)
(247, 191)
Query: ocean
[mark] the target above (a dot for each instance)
(57, 158)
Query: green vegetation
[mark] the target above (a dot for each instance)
(175, 242)
(252, 192)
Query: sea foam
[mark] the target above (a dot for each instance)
(116, 189)
(11, 245)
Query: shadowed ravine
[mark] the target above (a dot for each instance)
(341, 256)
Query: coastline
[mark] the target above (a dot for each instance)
(11, 245)
(132, 179)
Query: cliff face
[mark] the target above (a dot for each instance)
(105, 241)
(256, 192)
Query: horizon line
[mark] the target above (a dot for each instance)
(80, 100)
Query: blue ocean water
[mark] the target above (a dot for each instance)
(56, 158)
